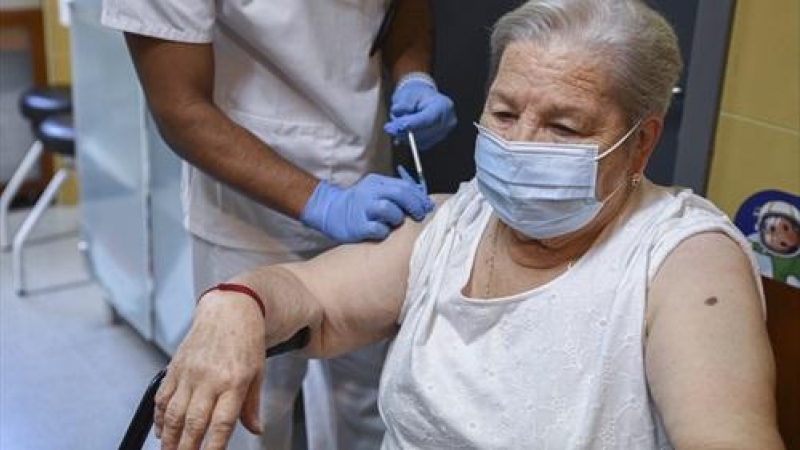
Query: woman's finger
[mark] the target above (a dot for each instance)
(223, 419)
(162, 398)
(174, 417)
(250, 417)
(198, 416)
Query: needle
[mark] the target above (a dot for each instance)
(417, 164)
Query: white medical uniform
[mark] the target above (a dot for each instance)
(297, 74)
(559, 367)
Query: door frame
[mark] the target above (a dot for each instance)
(706, 74)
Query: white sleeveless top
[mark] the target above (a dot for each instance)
(558, 367)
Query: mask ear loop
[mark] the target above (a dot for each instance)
(636, 178)
(634, 183)
(620, 141)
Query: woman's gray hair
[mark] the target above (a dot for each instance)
(638, 45)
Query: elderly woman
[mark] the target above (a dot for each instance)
(558, 301)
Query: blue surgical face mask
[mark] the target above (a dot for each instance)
(540, 189)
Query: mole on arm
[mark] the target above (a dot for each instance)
(711, 301)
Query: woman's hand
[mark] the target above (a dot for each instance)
(215, 376)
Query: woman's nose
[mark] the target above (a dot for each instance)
(523, 132)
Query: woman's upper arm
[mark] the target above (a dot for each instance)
(708, 359)
(361, 287)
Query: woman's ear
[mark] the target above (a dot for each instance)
(646, 139)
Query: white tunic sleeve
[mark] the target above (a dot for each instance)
(188, 21)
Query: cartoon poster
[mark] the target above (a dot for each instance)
(771, 221)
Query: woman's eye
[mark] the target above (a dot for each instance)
(564, 130)
(504, 116)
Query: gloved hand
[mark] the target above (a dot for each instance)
(419, 107)
(365, 211)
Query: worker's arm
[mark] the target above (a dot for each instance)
(409, 42)
(348, 297)
(708, 358)
(178, 80)
(416, 104)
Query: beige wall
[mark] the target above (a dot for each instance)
(56, 45)
(57, 49)
(758, 135)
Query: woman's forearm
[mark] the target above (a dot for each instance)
(289, 306)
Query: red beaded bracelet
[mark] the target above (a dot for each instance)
(240, 288)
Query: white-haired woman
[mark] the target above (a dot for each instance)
(557, 301)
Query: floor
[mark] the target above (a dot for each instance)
(70, 376)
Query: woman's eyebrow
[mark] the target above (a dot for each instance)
(576, 112)
(502, 96)
(573, 108)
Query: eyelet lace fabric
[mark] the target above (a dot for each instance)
(558, 367)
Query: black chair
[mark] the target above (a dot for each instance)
(56, 134)
(36, 104)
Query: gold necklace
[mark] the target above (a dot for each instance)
(493, 251)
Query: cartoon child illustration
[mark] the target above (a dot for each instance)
(777, 238)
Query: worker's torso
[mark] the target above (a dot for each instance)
(298, 75)
(295, 73)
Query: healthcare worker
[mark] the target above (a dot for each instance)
(277, 106)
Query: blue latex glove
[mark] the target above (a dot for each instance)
(406, 176)
(368, 210)
(419, 107)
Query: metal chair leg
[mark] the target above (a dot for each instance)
(18, 273)
(30, 159)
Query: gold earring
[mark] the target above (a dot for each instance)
(635, 180)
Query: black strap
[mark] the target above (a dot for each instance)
(142, 419)
(383, 30)
(296, 342)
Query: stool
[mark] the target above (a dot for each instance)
(36, 104)
(57, 135)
